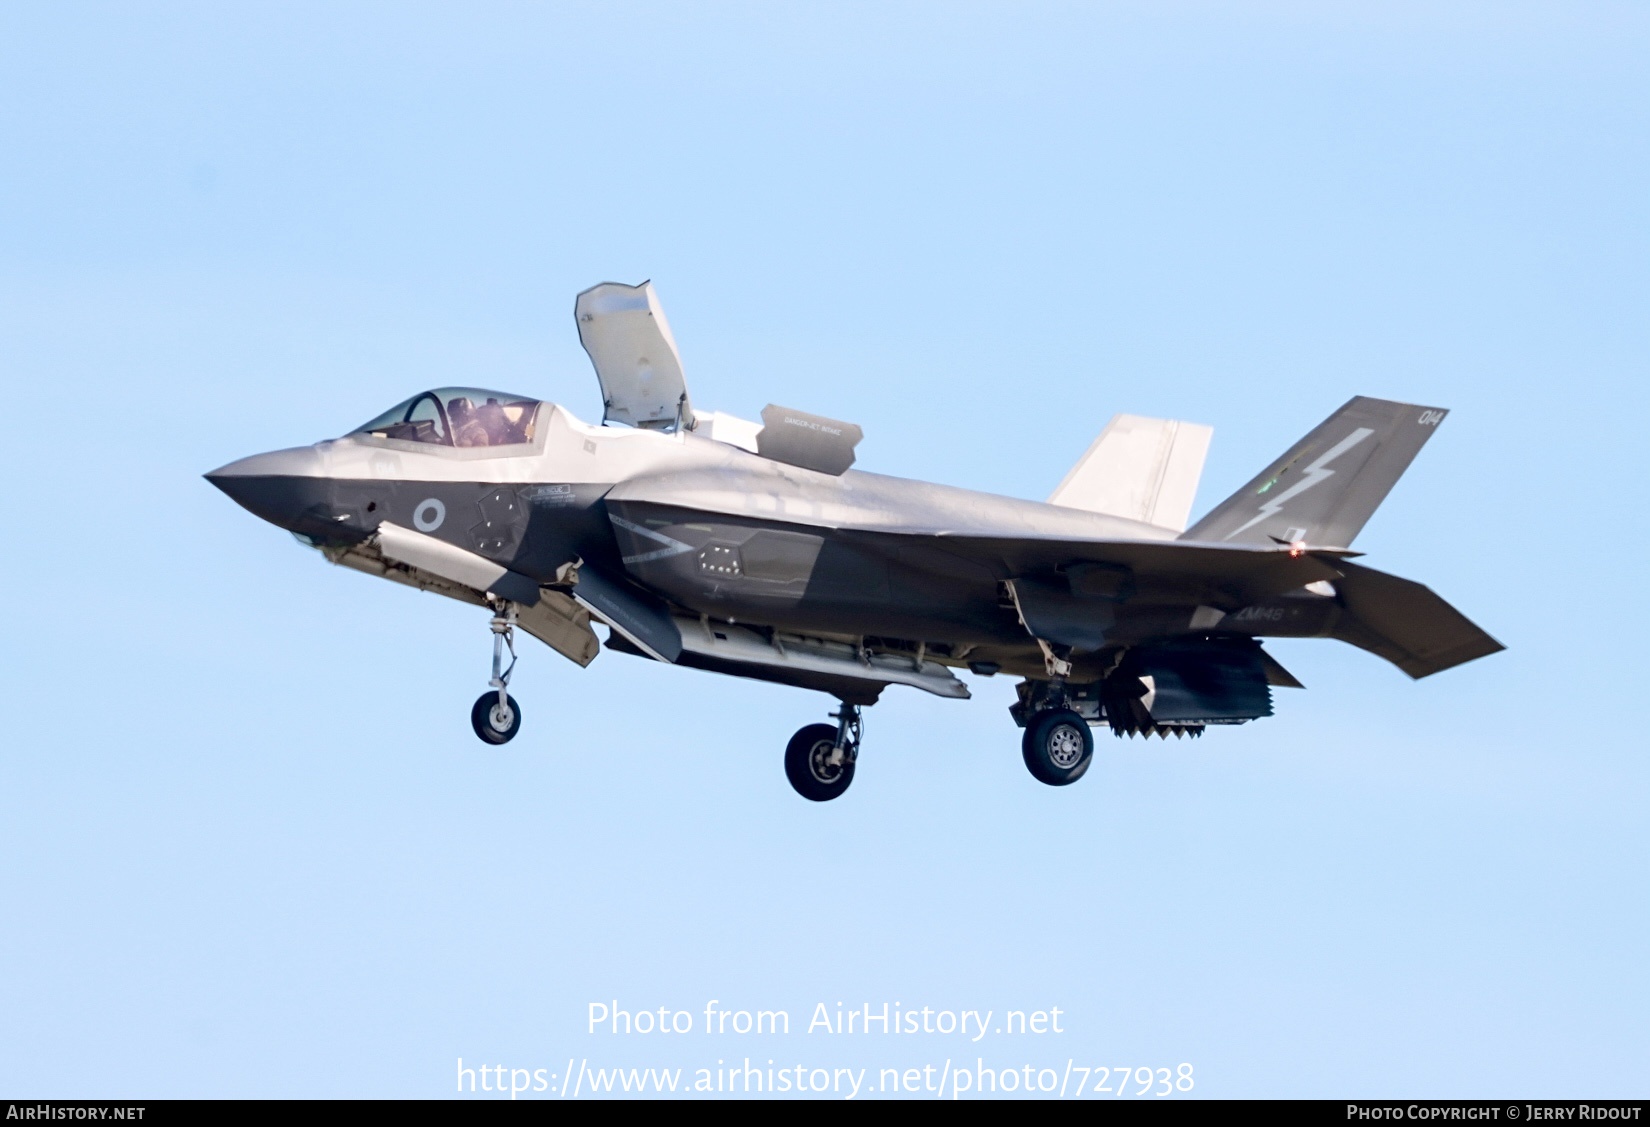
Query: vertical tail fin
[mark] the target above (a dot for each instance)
(1142, 469)
(1324, 489)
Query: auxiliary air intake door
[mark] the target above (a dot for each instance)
(625, 332)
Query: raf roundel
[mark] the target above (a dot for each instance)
(429, 514)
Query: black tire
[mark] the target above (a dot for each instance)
(1058, 747)
(489, 725)
(814, 779)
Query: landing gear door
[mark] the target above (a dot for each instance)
(624, 330)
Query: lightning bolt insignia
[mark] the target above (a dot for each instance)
(1310, 476)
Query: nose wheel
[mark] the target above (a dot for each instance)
(819, 760)
(496, 715)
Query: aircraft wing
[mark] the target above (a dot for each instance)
(1400, 620)
(1245, 573)
(1062, 589)
(1061, 582)
(653, 533)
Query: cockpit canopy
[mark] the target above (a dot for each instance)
(458, 416)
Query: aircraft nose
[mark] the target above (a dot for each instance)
(284, 487)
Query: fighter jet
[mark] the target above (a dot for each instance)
(708, 541)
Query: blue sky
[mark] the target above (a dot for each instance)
(250, 846)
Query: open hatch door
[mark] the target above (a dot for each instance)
(624, 330)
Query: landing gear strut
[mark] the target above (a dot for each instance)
(819, 760)
(496, 716)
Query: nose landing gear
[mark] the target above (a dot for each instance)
(819, 760)
(496, 716)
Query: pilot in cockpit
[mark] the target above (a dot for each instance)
(493, 423)
(485, 425)
(467, 425)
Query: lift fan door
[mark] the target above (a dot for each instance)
(624, 330)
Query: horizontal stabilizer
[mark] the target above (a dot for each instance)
(1142, 469)
(1406, 623)
(1325, 487)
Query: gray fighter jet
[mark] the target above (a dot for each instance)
(701, 539)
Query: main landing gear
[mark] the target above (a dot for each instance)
(819, 760)
(1058, 746)
(496, 715)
